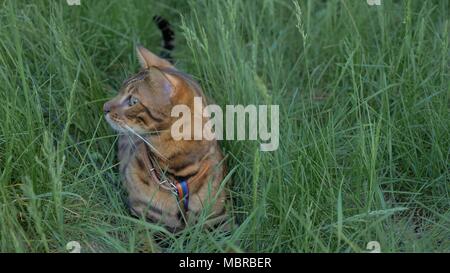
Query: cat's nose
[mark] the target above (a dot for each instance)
(106, 108)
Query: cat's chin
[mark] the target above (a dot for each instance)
(114, 125)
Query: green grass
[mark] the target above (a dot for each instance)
(364, 122)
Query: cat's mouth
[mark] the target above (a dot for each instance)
(115, 124)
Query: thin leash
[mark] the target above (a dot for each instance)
(179, 188)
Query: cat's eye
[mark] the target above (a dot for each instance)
(132, 101)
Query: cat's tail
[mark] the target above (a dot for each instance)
(168, 37)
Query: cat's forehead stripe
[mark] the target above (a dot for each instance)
(138, 77)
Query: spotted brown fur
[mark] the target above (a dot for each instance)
(143, 107)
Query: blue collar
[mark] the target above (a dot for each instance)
(183, 194)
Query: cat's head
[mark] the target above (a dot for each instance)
(145, 100)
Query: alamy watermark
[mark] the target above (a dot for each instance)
(73, 2)
(73, 247)
(190, 126)
(374, 2)
(374, 247)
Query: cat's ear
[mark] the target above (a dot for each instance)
(169, 84)
(148, 59)
(175, 83)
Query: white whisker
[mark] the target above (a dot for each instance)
(145, 141)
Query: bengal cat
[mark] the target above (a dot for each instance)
(168, 181)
